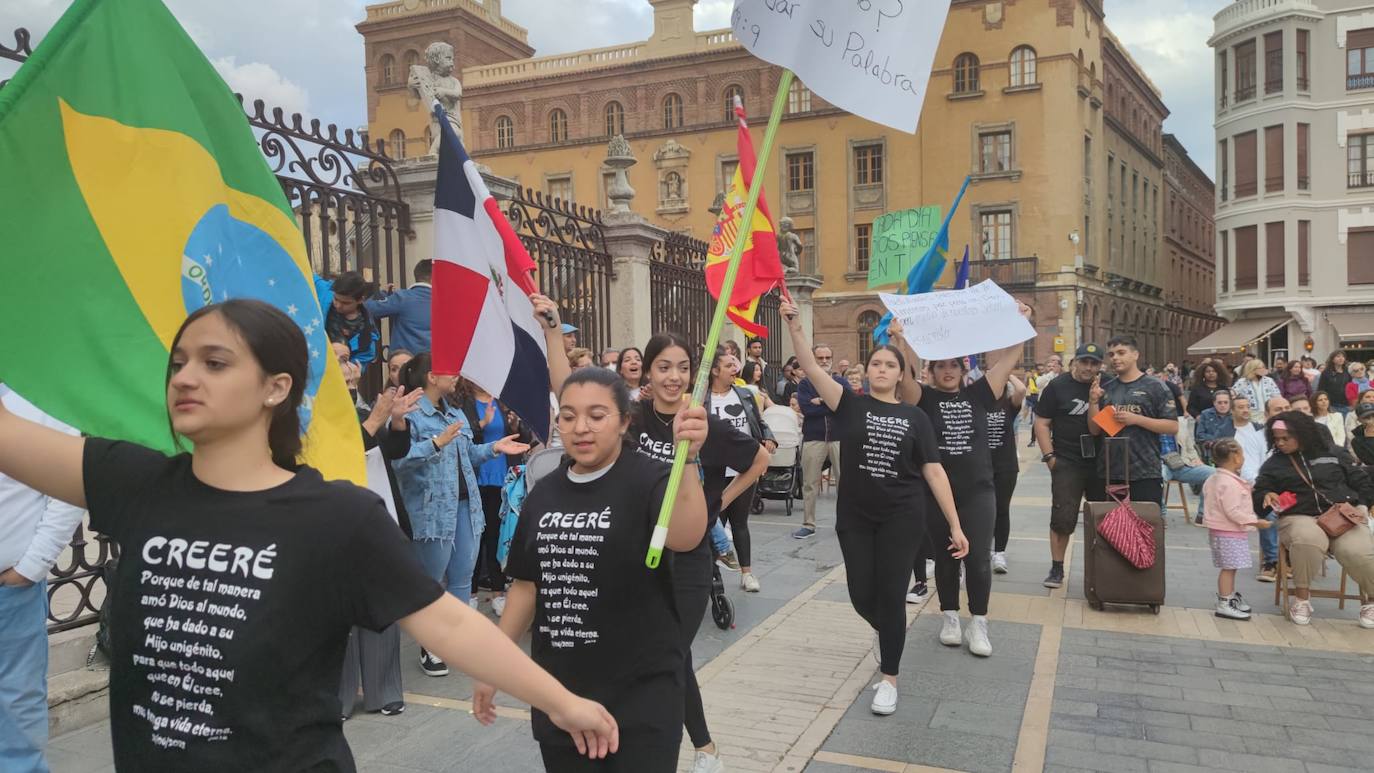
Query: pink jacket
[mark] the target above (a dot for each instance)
(1226, 502)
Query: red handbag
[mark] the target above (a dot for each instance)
(1132, 536)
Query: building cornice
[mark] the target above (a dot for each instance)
(1245, 16)
(1144, 149)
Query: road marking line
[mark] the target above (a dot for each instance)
(457, 705)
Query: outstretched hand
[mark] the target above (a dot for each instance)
(510, 446)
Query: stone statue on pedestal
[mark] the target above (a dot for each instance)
(437, 82)
(789, 247)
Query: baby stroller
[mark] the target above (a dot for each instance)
(782, 479)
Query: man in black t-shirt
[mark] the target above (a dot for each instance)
(1146, 408)
(1068, 448)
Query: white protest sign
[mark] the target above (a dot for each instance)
(947, 324)
(378, 482)
(870, 57)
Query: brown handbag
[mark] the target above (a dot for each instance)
(1337, 519)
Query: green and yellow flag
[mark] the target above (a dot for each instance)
(133, 192)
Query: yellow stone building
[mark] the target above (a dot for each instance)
(1017, 100)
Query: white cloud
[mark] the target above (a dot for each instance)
(256, 80)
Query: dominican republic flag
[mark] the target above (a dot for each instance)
(483, 323)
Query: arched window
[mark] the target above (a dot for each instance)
(1023, 66)
(672, 111)
(558, 125)
(798, 98)
(412, 59)
(397, 144)
(730, 94)
(615, 119)
(868, 321)
(965, 74)
(388, 66)
(505, 132)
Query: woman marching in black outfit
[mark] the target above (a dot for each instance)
(890, 466)
(242, 570)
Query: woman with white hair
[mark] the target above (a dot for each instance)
(1254, 383)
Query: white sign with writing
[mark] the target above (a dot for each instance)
(870, 57)
(956, 323)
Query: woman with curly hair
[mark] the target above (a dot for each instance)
(1208, 379)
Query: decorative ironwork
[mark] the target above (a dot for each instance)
(1010, 273)
(20, 52)
(76, 584)
(680, 303)
(568, 243)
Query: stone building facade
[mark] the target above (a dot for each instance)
(1018, 101)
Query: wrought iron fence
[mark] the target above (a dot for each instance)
(20, 51)
(568, 242)
(76, 584)
(678, 299)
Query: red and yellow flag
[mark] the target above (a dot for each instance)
(760, 268)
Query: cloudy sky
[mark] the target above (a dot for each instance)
(304, 55)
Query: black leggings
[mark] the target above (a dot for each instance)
(692, 589)
(487, 574)
(632, 758)
(1005, 483)
(977, 506)
(736, 516)
(877, 562)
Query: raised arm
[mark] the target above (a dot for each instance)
(827, 388)
(1018, 392)
(42, 458)
(909, 391)
(546, 314)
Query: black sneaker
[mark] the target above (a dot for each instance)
(1055, 579)
(392, 709)
(431, 665)
(918, 593)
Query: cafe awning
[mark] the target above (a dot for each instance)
(1353, 325)
(1234, 336)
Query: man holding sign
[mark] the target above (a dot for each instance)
(1139, 408)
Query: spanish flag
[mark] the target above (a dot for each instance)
(136, 194)
(760, 268)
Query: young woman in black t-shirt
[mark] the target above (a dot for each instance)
(242, 570)
(1006, 466)
(959, 414)
(605, 623)
(889, 466)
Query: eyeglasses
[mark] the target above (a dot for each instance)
(595, 421)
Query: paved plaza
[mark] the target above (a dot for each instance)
(1067, 689)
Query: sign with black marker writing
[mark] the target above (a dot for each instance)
(870, 57)
(899, 239)
(947, 324)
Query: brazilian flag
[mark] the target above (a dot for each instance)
(133, 193)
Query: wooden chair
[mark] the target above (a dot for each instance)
(1283, 586)
(1182, 499)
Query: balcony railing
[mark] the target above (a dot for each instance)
(1007, 273)
(1303, 83)
(1364, 80)
(1245, 92)
(1304, 182)
(1360, 179)
(1244, 189)
(1273, 184)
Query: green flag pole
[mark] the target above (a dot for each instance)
(665, 514)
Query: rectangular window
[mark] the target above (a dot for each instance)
(727, 173)
(808, 256)
(1359, 59)
(1245, 71)
(1304, 245)
(1273, 159)
(1246, 258)
(1246, 183)
(1304, 181)
(559, 187)
(1301, 60)
(1225, 81)
(1225, 261)
(1273, 255)
(1273, 63)
(996, 232)
(1359, 256)
(801, 171)
(994, 152)
(1225, 161)
(1088, 164)
(863, 243)
(1358, 172)
(868, 164)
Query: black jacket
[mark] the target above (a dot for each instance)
(1336, 479)
(1333, 384)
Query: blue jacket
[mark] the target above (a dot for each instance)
(1212, 426)
(362, 346)
(428, 475)
(409, 313)
(815, 418)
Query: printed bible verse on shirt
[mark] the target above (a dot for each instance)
(956, 323)
(956, 417)
(568, 561)
(883, 440)
(196, 597)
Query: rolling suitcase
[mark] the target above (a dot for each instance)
(1108, 578)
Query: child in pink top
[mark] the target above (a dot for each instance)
(1228, 512)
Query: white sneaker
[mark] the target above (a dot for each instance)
(999, 563)
(1230, 609)
(884, 698)
(1367, 616)
(749, 582)
(1300, 611)
(951, 634)
(1241, 603)
(707, 763)
(978, 642)
(474, 602)
(498, 605)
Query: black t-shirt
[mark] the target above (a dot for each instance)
(1002, 436)
(605, 625)
(1149, 397)
(961, 428)
(231, 611)
(1064, 401)
(882, 448)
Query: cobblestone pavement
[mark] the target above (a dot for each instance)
(1067, 689)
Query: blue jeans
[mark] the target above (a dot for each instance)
(1269, 546)
(1190, 476)
(719, 539)
(23, 678)
(454, 558)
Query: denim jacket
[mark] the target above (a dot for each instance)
(429, 476)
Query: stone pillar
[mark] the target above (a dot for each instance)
(416, 178)
(630, 240)
(803, 289)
